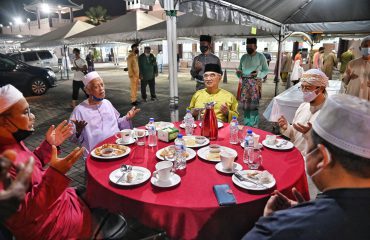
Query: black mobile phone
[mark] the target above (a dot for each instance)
(224, 195)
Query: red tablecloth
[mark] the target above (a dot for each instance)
(190, 210)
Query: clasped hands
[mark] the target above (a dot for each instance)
(279, 201)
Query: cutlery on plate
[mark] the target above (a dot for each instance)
(243, 179)
(283, 143)
(124, 169)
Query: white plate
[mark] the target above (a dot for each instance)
(287, 146)
(249, 185)
(236, 167)
(190, 151)
(258, 147)
(219, 124)
(120, 142)
(203, 153)
(143, 174)
(196, 145)
(161, 125)
(182, 125)
(128, 150)
(146, 132)
(173, 181)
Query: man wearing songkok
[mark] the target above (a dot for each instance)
(200, 61)
(313, 87)
(357, 75)
(95, 118)
(226, 104)
(252, 69)
(339, 165)
(50, 209)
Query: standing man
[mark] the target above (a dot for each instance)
(90, 61)
(345, 58)
(200, 61)
(80, 69)
(148, 71)
(252, 68)
(268, 59)
(160, 61)
(357, 75)
(330, 61)
(133, 73)
(317, 58)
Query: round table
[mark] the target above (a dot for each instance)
(190, 210)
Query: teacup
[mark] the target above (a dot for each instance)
(200, 139)
(227, 160)
(139, 133)
(163, 170)
(271, 139)
(214, 148)
(256, 139)
(125, 135)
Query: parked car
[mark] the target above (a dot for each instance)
(28, 79)
(39, 58)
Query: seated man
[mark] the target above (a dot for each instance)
(226, 104)
(313, 87)
(95, 118)
(339, 165)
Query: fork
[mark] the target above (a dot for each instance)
(243, 179)
(284, 142)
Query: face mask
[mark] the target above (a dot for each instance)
(136, 51)
(203, 49)
(97, 99)
(21, 134)
(365, 52)
(250, 50)
(309, 96)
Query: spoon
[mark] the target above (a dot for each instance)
(124, 168)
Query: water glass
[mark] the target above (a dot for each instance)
(255, 159)
(241, 133)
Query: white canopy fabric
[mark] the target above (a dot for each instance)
(121, 29)
(58, 36)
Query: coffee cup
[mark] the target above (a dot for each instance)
(227, 160)
(125, 135)
(163, 170)
(256, 139)
(200, 139)
(139, 133)
(271, 139)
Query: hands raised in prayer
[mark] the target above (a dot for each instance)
(224, 109)
(131, 114)
(283, 123)
(14, 191)
(80, 125)
(62, 165)
(279, 201)
(302, 128)
(56, 136)
(198, 66)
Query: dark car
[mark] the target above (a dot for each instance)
(28, 79)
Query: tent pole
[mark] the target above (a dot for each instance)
(65, 59)
(278, 62)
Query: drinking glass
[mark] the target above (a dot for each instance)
(255, 159)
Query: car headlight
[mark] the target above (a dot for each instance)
(51, 73)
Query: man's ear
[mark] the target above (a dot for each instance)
(326, 156)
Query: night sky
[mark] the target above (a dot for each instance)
(12, 8)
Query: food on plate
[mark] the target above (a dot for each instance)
(262, 177)
(169, 152)
(190, 141)
(110, 150)
(130, 177)
(215, 148)
(214, 156)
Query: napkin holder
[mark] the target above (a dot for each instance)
(168, 134)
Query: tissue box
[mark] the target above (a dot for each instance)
(168, 134)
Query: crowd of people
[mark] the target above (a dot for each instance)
(331, 132)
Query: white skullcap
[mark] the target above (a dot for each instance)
(9, 96)
(344, 121)
(365, 39)
(89, 77)
(315, 77)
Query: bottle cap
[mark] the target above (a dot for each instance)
(187, 111)
(234, 117)
(179, 135)
(249, 131)
(151, 119)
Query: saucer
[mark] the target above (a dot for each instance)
(172, 181)
(236, 167)
(120, 142)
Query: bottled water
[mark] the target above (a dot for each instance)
(180, 159)
(248, 147)
(152, 138)
(188, 122)
(234, 130)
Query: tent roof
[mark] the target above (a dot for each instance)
(57, 36)
(119, 29)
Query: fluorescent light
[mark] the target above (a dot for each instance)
(18, 20)
(45, 8)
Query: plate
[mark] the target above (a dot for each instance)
(146, 132)
(196, 145)
(236, 167)
(120, 142)
(173, 181)
(219, 124)
(182, 125)
(203, 153)
(287, 146)
(190, 151)
(251, 186)
(161, 125)
(128, 150)
(258, 147)
(143, 174)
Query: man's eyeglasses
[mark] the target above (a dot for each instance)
(304, 88)
(210, 75)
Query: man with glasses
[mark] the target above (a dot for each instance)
(339, 165)
(226, 104)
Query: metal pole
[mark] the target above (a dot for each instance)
(65, 59)
(278, 62)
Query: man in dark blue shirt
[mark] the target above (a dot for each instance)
(339, 165)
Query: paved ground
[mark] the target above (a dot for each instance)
(53, 107)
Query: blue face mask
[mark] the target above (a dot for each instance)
(97, 99)
(365, 52)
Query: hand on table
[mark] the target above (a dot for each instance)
(131, 114)
(80, 125)
(302, 128)
(224, 109)
(283, 123)
(279, 201)
(62, 165)
(56, 136)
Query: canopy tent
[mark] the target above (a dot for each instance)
(120, 29)
(58, 36)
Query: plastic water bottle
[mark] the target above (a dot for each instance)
(188, 122)
(234, 130)
(248, 147)
(152, 138)
(180, 159)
